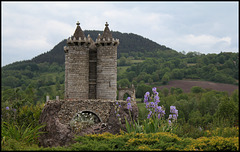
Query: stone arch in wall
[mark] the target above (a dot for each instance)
(122, 91)
(97, 119)
(84, 119)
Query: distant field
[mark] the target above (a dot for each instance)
(186, 85)
(122, 69)
(136, 61)
(191, 64)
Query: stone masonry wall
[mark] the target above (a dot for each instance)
(107, 72)
(58, 115)
(77, 72)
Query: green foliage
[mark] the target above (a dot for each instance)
(9, 144)
(196, 127)
(197, 89)
(227, 110)
(141, 89)
(27, 134)
(29, 114)
(124, 83)
(163, 141)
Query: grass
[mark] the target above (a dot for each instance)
(191, 64)
(122, 69)
(136, 61)
(142, 112)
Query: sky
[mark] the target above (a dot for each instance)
(32, 28)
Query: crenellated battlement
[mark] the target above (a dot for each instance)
(107, 41)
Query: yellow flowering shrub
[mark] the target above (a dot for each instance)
(160, 141)
(143, 147)
(214, 143)
(223, 132)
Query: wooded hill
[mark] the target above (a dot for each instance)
(128, 43)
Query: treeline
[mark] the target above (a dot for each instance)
(164, 66)
(48, 79)
(42, 79)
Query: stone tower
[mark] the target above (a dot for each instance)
(91, 67)
(106, 65)
(77, 65)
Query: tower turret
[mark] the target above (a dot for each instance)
(106, 65)
(77, 65)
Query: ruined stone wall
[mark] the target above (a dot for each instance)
(107, 71)
(130, 91)
(77, 72)
(62, 123)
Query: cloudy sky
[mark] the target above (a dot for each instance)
(32, 28)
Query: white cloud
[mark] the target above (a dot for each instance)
(205, 40)
(203, 43)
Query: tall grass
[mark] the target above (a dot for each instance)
(28, 134)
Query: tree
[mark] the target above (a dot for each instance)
(150, 80)
(142, 89)
(165, 78)
(177, 74)
(227, 111)
(130, 75)
(155, 77)
(197, 89)
(124, 83)
(195, 118)
(165, 92)
(122, 61)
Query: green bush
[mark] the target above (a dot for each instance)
(8, 144)
(29, 114)
(152, 141)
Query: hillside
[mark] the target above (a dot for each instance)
(128, 43)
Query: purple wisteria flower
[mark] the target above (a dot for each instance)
(174, 114)
(118, 104)
(152, 105)
(7, 108)
(117, 108)
(173, 110)
(154, 89)
(129, 106)
(146, 96)
(154, 109)
(149, 114)
(156, 99)
(160, 111)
